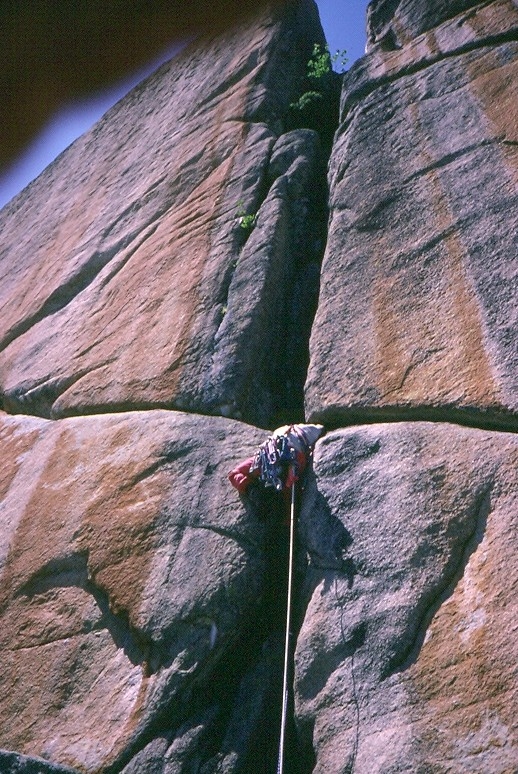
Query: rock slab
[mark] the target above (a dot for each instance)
(164, 262)
(406, 659)
(129, 573)
(129, 279)
(417, 316)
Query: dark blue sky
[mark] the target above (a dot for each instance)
(344, 25)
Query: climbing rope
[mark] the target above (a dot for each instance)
(287, 642)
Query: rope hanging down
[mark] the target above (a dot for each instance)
(288, 638)
(280, 462)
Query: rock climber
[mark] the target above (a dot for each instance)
(280, 460)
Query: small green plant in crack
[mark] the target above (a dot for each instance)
(322, 61)
(246, 219)
(318, 72)
(306, 99)
(221, 313)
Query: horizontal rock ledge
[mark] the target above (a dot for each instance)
(335, 417)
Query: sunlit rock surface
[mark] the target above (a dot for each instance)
(142, 600)
(129, 573)
(128, 278)
(418, 303)
(406, 659)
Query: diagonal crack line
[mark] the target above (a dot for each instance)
(52, 641)
(356, 643)
(84, 276)
(42, 395)
(240, 238)
(446, 585)
(364, 90)
(449, 158)
(437, 163)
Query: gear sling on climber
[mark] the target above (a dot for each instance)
(280, 461)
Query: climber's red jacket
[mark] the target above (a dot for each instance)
(241, 476)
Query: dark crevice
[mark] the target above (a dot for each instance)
(311, 565)
(301, 312)
(263, 383)
(335, 417)
(332, 417)
(286, 380)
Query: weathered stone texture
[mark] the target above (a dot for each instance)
(14, 763)
(140, 598)
(417, 310)
(129, 571)
(394, 23)
(118, 260)
(406, 659)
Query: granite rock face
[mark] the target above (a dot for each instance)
(159, 283)
(417, 309)
(395, 23)
(14, 763)
(129, 576)
(122, 262)
(406, 658)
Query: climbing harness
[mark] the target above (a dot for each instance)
(287, 641)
